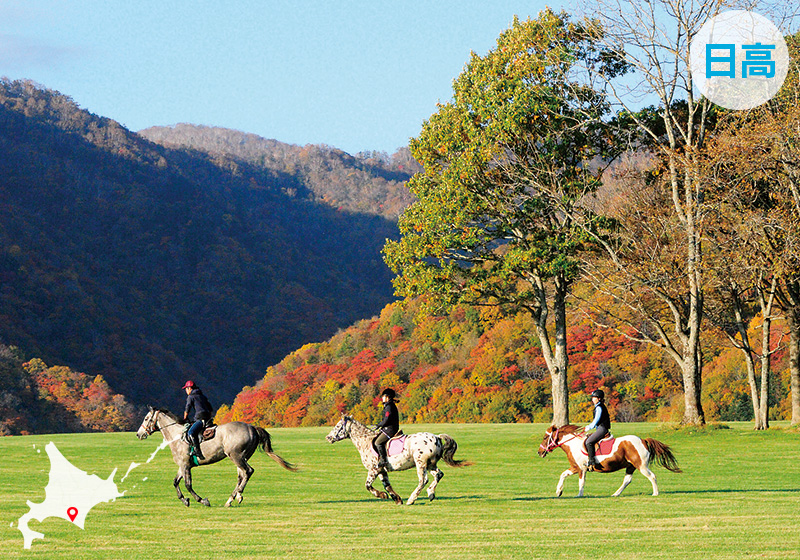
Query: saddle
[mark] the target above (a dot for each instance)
(395, 445)
(602, 447)
(208, 433)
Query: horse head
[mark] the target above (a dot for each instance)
(556, 437)
(341, 430)
(549, 441)
(149, 424)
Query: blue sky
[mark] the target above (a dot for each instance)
(351, 74)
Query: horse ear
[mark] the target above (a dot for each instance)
(150, 407)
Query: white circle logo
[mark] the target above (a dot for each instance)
(739, 59)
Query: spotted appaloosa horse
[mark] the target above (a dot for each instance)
(422, 450)
(235, 440)
(628, 452)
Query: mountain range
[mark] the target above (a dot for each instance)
(181, 252)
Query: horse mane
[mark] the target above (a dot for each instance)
(166, 412)
(567, 429)
(357, 424)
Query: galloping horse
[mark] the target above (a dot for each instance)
(236, 440)
(628, 452)
(422, 450)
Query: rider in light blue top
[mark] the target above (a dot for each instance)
(598, 414)
(602, 423)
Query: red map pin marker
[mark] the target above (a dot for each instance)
(72, 513)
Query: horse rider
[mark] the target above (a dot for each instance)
(388, 426)
(203, 412)
(602, 423)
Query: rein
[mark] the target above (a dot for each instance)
(153, 427)
(552, 442)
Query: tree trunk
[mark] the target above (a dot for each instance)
(747, 352)
(794, 364)
(555, 355)
(762, 420)
(791, 304)
(559, 375)
(692, 382)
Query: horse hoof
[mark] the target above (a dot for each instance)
(186, 501)
(240, 499)
(432, 497)
(229, 502)
(205, 502)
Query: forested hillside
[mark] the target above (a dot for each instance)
(149, 265)
(371, 182)
(473, 366)
(35, 398)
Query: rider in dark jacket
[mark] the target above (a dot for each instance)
(203, 412)
(602, 423)
(388, 426)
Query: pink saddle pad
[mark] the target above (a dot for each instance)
(603, 448)
(394, 446)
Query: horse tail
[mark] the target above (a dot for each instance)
(449, 448)
(265, 441)
(663, 454)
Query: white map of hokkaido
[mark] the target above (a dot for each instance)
(70, 494)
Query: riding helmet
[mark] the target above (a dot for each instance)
(389, 393)
(189, 383)
(599, 394)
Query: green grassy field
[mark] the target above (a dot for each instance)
(739, 497)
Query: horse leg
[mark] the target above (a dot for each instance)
(245, 471)
(581, 482)
(245, 479)
(187, 481)
(560, 486)
(372, 474)
(625, 481)
(422, 474)
(437, 476)
(387, 485)
(240, 476)
(650, 476)
(177, 484)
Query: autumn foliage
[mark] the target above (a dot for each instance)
(35, 398)
(471, 366)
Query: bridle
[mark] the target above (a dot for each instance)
(344, 432)
(152, 424)
(553, 443)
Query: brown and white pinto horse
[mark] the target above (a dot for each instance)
(628, 452)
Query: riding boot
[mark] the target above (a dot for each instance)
(383, 462)
(197, 451)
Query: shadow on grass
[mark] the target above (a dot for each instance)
(662, 493)
(736, 491)
(421, 500)
(548, 498)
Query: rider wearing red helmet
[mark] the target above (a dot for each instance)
(203, 412)
(602, 423)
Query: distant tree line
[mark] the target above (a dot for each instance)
(370, 182)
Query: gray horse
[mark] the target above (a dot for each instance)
(422, 450)
(236, 440)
